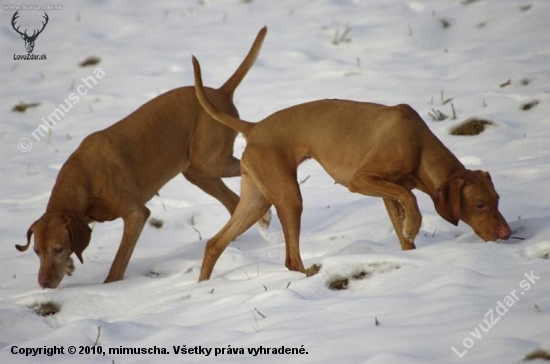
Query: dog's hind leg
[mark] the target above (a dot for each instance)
(251, 207)
(287, 200)
(275, 176)
(215, 188)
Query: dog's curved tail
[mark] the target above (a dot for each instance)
(231, 84)
(233, 122)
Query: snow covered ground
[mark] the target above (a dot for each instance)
(412, 307)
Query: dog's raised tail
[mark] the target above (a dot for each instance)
(234, 123)
(231, 84)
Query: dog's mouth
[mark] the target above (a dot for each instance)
(498, 239)
(53, 279)
(500, 234)
(494, 238)
(49, 284)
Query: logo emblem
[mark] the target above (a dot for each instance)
(29, 39)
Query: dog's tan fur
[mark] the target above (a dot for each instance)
(371, 149)
(114, 172)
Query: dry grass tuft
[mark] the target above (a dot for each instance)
(22, 106)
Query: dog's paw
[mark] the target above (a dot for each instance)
(411, 226)
(265, 220)
(69, 268)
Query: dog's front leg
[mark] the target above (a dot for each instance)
(400, 203)
(133, 225)
(396, 213)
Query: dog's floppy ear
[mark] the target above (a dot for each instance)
(23, 248)
(488, 176)
(447, 200)
(80, 234)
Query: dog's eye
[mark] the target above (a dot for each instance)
(58, 250)
(480, 206)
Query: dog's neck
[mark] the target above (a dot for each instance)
(68, 195)
(438, 167)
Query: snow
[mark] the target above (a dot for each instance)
(425, 301)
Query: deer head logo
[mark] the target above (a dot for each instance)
(29, 40)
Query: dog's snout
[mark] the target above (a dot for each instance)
(504, 232)
(45, 282)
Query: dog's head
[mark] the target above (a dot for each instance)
(471, 197)
(56, 236)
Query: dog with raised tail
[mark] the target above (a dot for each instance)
(115, 171)
(372, 149)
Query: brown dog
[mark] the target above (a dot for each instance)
(114, 172)
(371, 149)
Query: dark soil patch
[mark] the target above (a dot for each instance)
(474, 126)
(445, 23)
(156, 223)
(90, 61)
(538, 354)
(46, 309)
(529, 105)
(339, 284)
